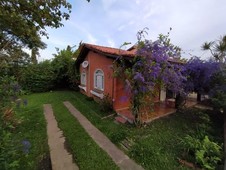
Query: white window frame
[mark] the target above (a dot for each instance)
(99, 75)
(83, 78)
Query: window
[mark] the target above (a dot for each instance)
(99, 79)
(83, 78)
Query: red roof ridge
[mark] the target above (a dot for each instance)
(114, 52)
(109, 50)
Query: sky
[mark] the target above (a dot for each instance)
(113, 22)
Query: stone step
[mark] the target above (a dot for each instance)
(120, 119)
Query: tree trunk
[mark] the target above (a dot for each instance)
(199, 97)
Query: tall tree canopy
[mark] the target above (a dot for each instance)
(23, 22)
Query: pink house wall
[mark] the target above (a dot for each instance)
(112, 86)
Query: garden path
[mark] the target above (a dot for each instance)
(61, 159)
(121, 159)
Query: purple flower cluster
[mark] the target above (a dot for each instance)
(200, 74)
(26, 146)
(153, 68)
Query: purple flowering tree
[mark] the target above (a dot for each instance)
(200, 75)
(156, 65)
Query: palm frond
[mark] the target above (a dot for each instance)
(207, 45)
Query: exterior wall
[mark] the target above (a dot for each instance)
(121, 97)
(115, 87)
(85, 89)
(98, 61)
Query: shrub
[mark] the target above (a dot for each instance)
(89, 98)
(74, 76)
(38, 78)
(10, 151)
(117, 136)
(9, 90)
(106, 104)
(207, 153)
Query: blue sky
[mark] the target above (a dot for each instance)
(113, 22)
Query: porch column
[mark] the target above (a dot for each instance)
(163, 94)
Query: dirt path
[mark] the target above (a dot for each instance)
(60, 158)
(121, 159)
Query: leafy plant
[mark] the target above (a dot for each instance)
(9, 90)
(207, 153)
(9, 151)
(117, 136)
(9, 146)
(38, 78)
(106, 104)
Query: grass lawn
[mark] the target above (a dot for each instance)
(86, 153)
(156, 147)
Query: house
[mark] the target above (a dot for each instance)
(96, 70)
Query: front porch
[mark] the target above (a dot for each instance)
(161, 109)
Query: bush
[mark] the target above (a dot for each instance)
(106, 104)
(74, 76)
(117, 136)
(207, 153)
(10, 148)
(9, 152)
(38, 78)
(9, 90)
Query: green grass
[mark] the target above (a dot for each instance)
(86, 153)
(156, 147)
(33, 129)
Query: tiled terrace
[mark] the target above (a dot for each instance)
(160, 110)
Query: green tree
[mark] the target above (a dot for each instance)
(218, 92)
(217, 48)
(34, 54)
(23, 22)
(64, 67)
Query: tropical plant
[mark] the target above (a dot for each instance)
(64, 67)
(217, 48)
(207, 153)
(218, 91)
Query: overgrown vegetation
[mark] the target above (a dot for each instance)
(38, 78)
(22, 131)
(106, 104)
(207, 153)
(48, 75)
(156, 146)
(159, 144)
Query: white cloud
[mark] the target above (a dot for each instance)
(138, 2)
(107, 4)
(121, 27)
(111, 43)
(91, 39)
(112, 22)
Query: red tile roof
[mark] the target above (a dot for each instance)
(115, 52)
(110, 50)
